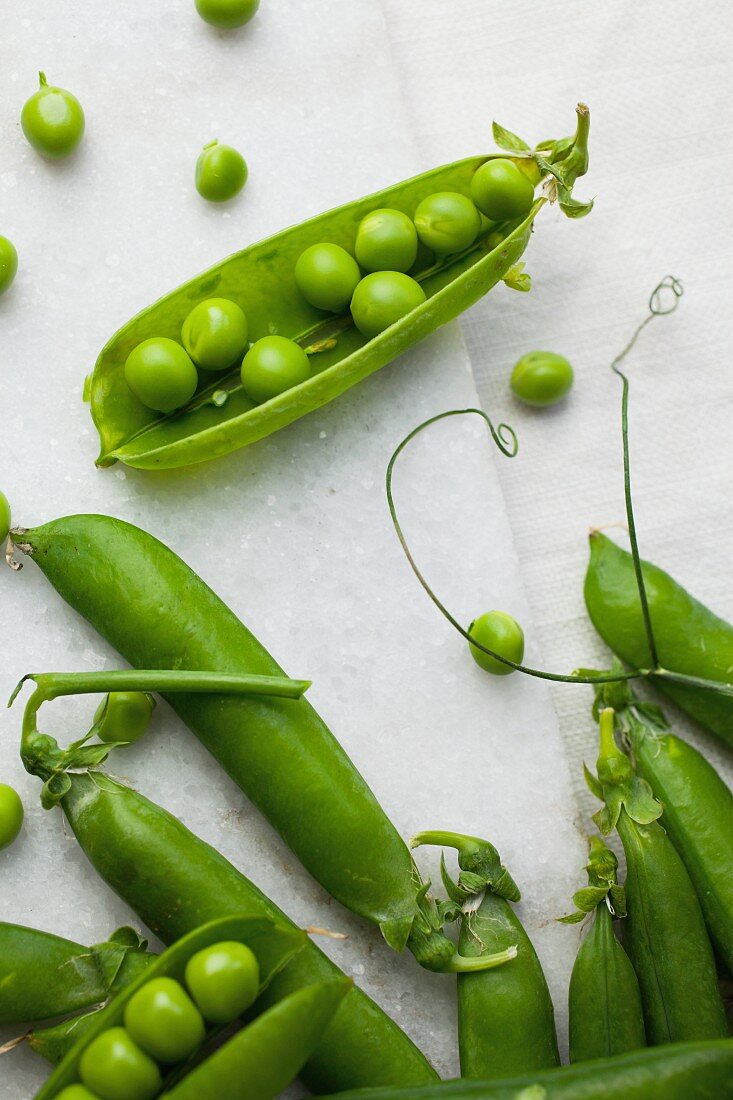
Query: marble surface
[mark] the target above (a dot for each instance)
(294, 532)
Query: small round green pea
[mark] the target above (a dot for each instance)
(223, 980)
(327, 276)
(221, 172)
(215, 334)
(5, 517)
(164, 1022)
(447, 222)
(501, 191)
(11, 815)
(76, 1092)
(541, 378)
(114, 1068)
(227, 14)
(124, 716)
(52, 120)
(273, 365)
(498, 631)
(382, 299)
(8, 263)
(160, 374)
(386, 240)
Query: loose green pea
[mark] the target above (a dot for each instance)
(160, 374)
(115, 1068)
(223, 980)
(11, 815)
(382, 299)
(498, 631)
(386, 240)
(541, 378)
(52, 120)
(76, 1092)
(447, 222)
(501, 191)
(5, 517)
(164, 1022)
(8, 263)
(273, 365)
(215, 334)
(227, 14)
(327, 276)
(221, 172)
(124, 716)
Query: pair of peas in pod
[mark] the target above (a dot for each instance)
(163, 373)
(164, 1024)
(387, 242)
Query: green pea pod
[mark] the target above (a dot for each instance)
(604, 1000)
(42, 975)
(506, 1022)
(269, 1052)
(221, 418)
(665, 936)
(143, 599)
(684, 1071)
(698, 812)
(272, 945)
(175, 882)
(664, 932)
(53, 1043)
(690, 638)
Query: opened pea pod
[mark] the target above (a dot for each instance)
(153, 409)
(156, 1035)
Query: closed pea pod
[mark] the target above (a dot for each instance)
(320, 804)
(506, 1022)
(263, 277)
(683, 1071)
(698, 811)
(605, 1012)
(43, 975)
(689, 637)
(664, 932)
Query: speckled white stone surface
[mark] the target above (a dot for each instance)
(294, 532)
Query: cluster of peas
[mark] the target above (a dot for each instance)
(162, 373)
(165, 1023)
(53, 122)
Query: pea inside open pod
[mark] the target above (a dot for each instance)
(221, 416)
(273, 945)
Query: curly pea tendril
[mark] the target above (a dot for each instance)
(663, 301)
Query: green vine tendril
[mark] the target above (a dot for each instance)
(505, 438)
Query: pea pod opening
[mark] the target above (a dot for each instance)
(278, 751)
(664, 932)
(506, 1021)
(221, 418)
(273, 947)
(604, 1001)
